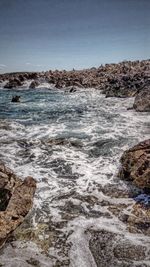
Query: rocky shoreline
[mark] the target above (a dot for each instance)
(126, 79)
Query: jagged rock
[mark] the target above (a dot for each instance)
(13, 83)
(16, 197)
(136, 165)
(15, 98)
(142, 101)
(34, 84)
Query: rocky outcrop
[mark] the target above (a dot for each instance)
(16, 98)
(136, 165)
(34, 84)
(142, 101)
(16, 197)
(125, 79)
(13, 83)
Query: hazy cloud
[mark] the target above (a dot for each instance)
(33, 65)
(2, 66)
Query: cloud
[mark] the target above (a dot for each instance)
(2, 66)
(33, 65)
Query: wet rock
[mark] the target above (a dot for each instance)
(15, 200)
(72, 89)
(142, 101)
(34, 84)
(63, 142)
(139, 220)
(16, 98)
(33, 262)
(112, 249)
(13, 83)
(136, 165)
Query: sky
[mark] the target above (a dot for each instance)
(38, 35)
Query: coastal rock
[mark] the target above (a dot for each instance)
(142, 101)
(124, 79)
(34, 84)
(139, 219)
(16, 197)
(136, 165)
(113, 249)
(15, 98)
(13, 83)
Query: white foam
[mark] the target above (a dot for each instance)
(101, 119)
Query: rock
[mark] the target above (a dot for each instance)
(34, 84)
(142, 101)
(16, 98)
(72, 89)
(16, 197)
(113, 249)
(136, 165)
(139, 219)
(13, 83)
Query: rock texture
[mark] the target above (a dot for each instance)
(111, 249)
(136, 165)
(142, 101)
(16, 198)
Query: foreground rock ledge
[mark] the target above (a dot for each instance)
(136, 165)
(16, 198)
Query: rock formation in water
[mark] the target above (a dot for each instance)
(142, 101)
(136, 168)
(16, 198)
(136, 165)
(15, 99)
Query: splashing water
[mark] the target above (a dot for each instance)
(71, 144)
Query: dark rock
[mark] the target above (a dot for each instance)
(34, 84)
(13, 83)
(15, 98)
(136, 165)
(142, 101)
(73, 89)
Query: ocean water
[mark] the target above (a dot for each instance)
(71, 144)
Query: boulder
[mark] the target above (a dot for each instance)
(16, 98)
(16, 198)
(142, 101)
(34, 84)
(136, 165)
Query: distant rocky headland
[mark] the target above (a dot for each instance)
(125, 79)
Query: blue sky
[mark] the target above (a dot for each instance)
(40, 35)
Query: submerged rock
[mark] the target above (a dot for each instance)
(136, 165)
(16, 197)
(142, 101)
(16, 98)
